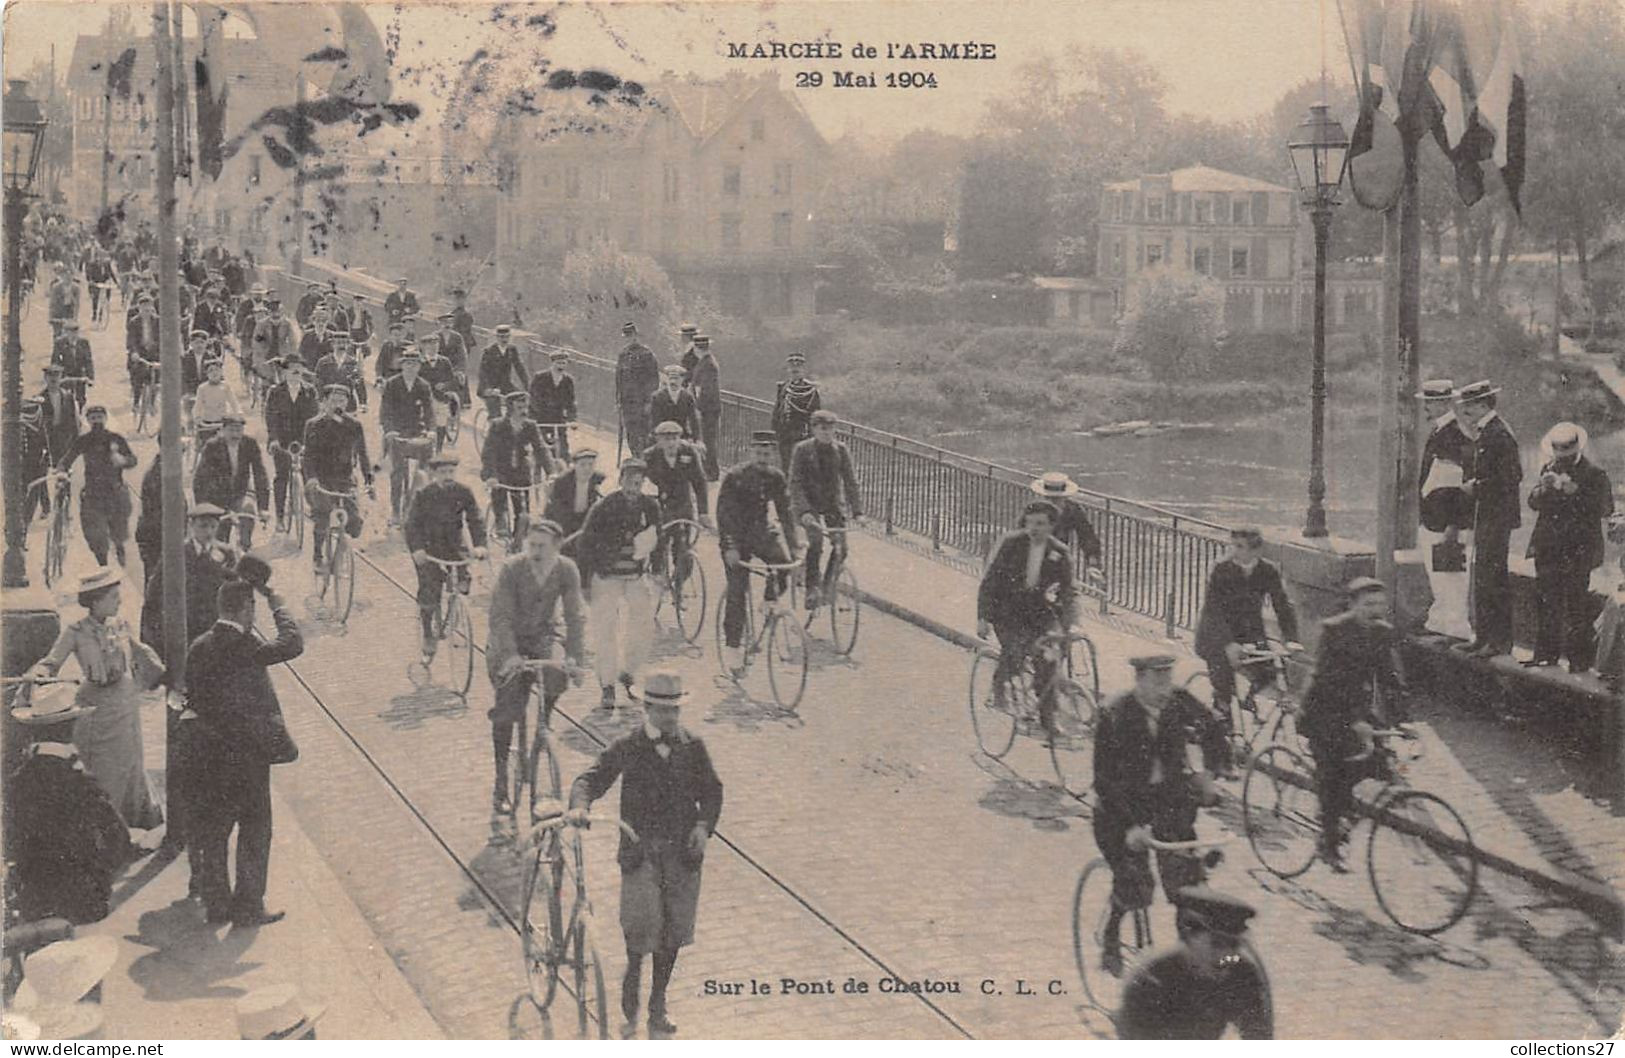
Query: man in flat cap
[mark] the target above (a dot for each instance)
(553, 402)
(441, 512)
(1356, 660)
(570, 497)
(401, 302)
(406, 416)
(335, 445)
(73, 353)
(104, 502)
(744, 532)
(1145, 785)
(1571, 500)
(508, 467)
(289, 407)
(502, 371)
(1496, 493)
(1211, 981)
(824, 493)
(228, 467)
(637, 376)
(673, 403)
(616, 542)
(454, 348)
(59, 415)
(705, 379)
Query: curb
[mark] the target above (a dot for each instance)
(1595, 899)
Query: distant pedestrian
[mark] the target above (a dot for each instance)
(104, 501)
(706, 380)
(1571, 500)
(1494, 489)
(637, 376)
(553, 402)
(671, 797)
(793, 404)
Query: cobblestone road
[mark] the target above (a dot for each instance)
(863, 838)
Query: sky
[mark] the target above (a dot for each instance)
(1222, 59)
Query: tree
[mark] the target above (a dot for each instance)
(1004, 211)
(1171, 324)
(600, 288)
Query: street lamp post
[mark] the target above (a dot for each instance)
(24, 136)
(1319, 151)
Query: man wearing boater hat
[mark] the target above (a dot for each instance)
(1571, 500)
(671, 798)
(1494, 488)
(1209, 982)
(1073, 528)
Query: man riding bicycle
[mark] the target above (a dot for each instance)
(213, 401)
(441, 511)
(1207, 983)
(743, 533)
(1026, 592)
(73, 353)
(454, 348)
(530, 590)
(505, 460)
(1144, 786)
(289, 407)
(406, 414)
(823, 491)
(334, 446)
(502, 371)
(677, 469)
(553, 402)
(439, 373)
(340, 367)
(224, 468)
(616, 541)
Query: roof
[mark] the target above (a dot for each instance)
(1204, 178)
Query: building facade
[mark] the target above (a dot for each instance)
(1249, 235)
(424, 213)
(717, 181)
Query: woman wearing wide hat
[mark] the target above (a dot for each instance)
(118, 669)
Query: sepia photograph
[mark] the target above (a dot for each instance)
(813, 520)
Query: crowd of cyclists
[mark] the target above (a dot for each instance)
(305, 375)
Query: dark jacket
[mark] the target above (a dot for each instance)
(1166, 999)
(1233, 606)
(681, 409)
(679, 481)
(462, 321)
(661, 800)
(499, 366)
(561, 500)
(1076, 531)
(65, 838)
(637, 376)
(1125, 747)
(793, 405)
(743, 498)
(230, 689)
(1568, 526)
(822, 480)
(706, 378)
(408, 412)
(61, 424)
(508, 449)
(331, 371)
(1350, 659)
(435, 522)
(75, 357)
(1497, 474)
(205, 572)
(214, 482)
(553, 402)
(285, 417)
(334, 447)
(605, 547)
(149, 525)
(1003, 595)
(107, 455)
(397, 304)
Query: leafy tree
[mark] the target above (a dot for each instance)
(1004, 212)
(600, 288)
(1171, 324)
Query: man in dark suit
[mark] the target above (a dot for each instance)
(224, 469)
(241, 736)
(1232, 618)
(672, 403)
(60, 414)
(1571, 501)
(571, 495)
(824, 493)
(1357, 653)
(289, 407)
(506, 460)
(1495, 491)
(671, 797)
(500, 366)
(637, 376)
(1026, 591)
(73, 353)
(706, 380)
(553, 402)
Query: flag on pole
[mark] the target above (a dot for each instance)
(210, 88)
(1478, 86)
(119, 72)
(1379, 42)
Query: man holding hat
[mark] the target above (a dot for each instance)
(637, 376)
(553, 401)
(616, 542)
(104, 502)
(823, 493)
(509, 444)
(59, 414)
(571, 497)
(401, 302)
(671, 797)
(743, 533)
(1356, 658)
(500, 367)
(335, 445)
(227, 467)
(706, 380)
(441, 512)
(793, 404)
(406, 415)
(289, 406)
(73, 353)
(1073, 527)
(1495, 491)
(1145, 786)
(672, 403)
(1571, 500)
(1211, 981)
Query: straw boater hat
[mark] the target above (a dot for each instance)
(664, 687)
(1055, 483)
(276, 1013)
(61, 974)
(1566, 436)
(1437, 389)
(1477, 390)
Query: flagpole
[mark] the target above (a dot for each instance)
(1390, 480)
(169, 369)
(1407, 512)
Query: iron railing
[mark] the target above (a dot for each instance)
(1156, 560)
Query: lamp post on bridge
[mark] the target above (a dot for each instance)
(24, 140)
(1319, 152)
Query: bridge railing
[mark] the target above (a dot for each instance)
(1156, 560)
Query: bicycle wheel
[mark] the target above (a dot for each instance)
(1085, 665)
(523, 774)
(1283, 728)
(1071, 743)
(1421, 863)
(995, 726)
(343, 577)
(543, 775)
(590, 992)
(788, 649)
(296, 511)
(457, 632)
(541, 925)
(478, 426)
(1280, 811)
(1091, 911)
(688, 598)
(454, 425)
(845, 607)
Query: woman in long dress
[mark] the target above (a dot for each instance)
(1611, 626)
(118, 669)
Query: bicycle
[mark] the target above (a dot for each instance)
(1137, 929)
(541, 750)
(292, 522)
(551, 939)
(335, 570)
(59, 493)
(147, 418)
(1280, 813)
(1069, 737)
(79, 386)
(413, 466)
(453, 626)
(781, 637)
(842, 598)
(241, 520)
(684, 587)
(1267, 712)
(514, 535)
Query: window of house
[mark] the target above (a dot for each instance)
(1202, 260)
(730, 180)
(1117, 257)
(1261, 207)
(254, 173)
(1153, 207)
(1238, 211)
(781, 178)
(758, 128)
(572, 181)
(730, 231)
(1204, 212)
(1238, 261)
(1153, 256)
(781, 230)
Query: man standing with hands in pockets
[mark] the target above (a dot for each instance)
(671, 798)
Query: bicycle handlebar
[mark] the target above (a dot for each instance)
(447, 563)
(555, 819)
(675, 522)
(346, 495)
(1183, 846)
(38, 680)
(517, 488)
(55, 475)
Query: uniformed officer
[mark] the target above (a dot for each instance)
(797, 398)
(743, 533)
(637, 376)
(1212, 980)
(441, 512)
